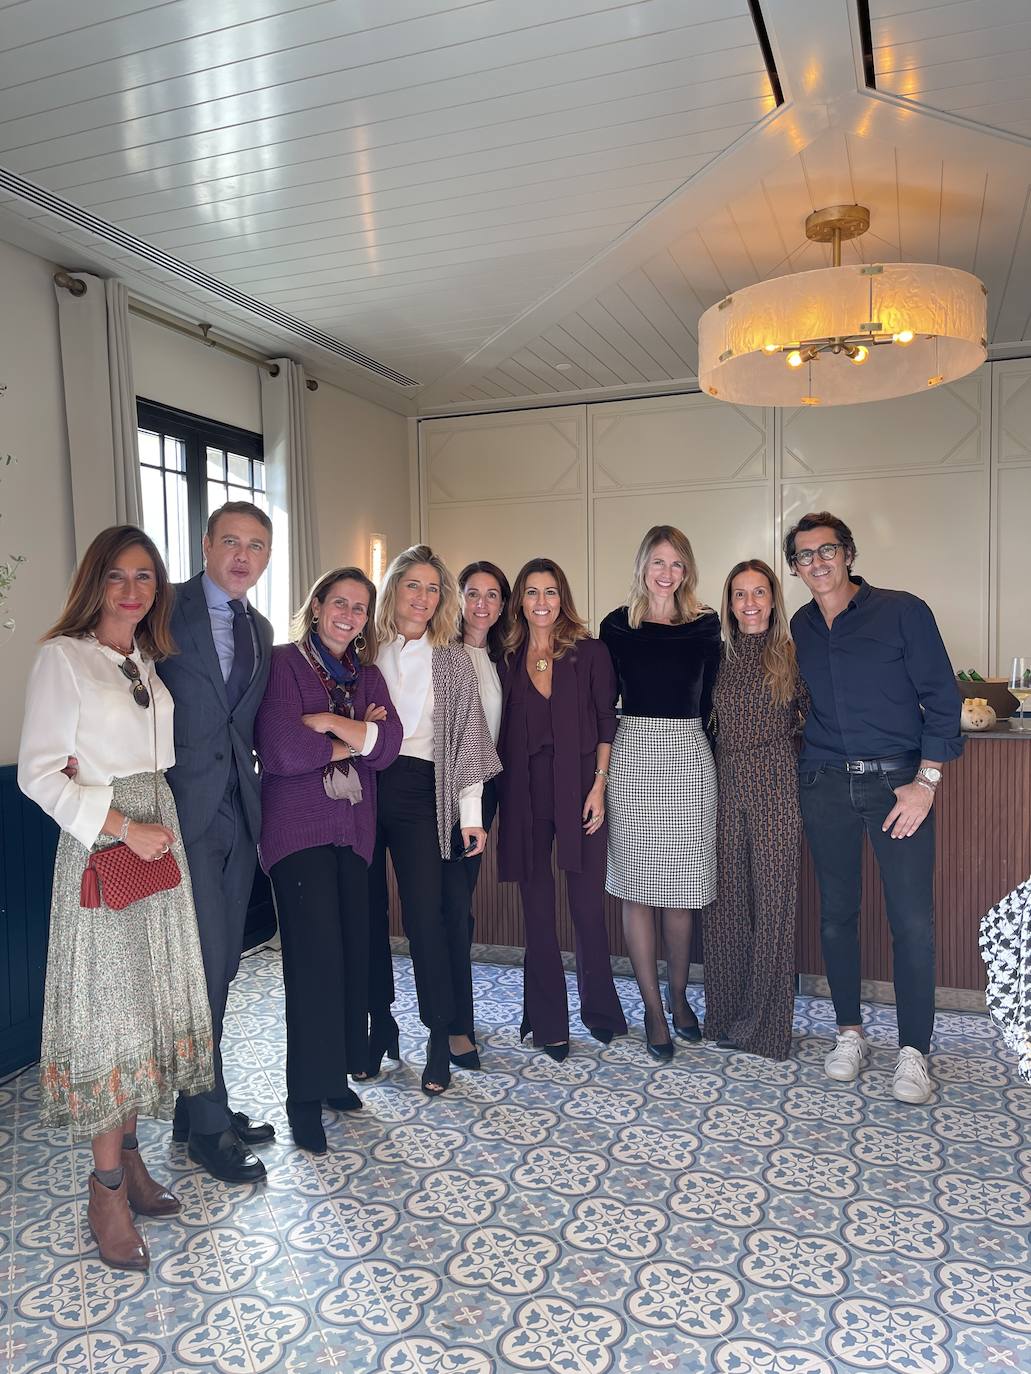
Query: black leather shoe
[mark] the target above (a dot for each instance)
(225, 1156)
(305, 1120)
(600, 1033)
(557, 1052)
(726, 1044)
(691, 1032)
(252, 1132)
(469, 1060)
(662, 1050)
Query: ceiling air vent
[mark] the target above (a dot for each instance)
(101, 229)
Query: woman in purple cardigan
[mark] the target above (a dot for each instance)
(558, 721)
(326, 726)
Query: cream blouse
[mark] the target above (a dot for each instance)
(489, 684)
(79, 702)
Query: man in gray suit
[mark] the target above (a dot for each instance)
(217, 679)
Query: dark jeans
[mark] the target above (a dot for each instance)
(837, 807)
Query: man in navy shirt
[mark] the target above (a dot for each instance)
(884, 719)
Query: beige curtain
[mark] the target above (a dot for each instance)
(295, 551)
(100, 406)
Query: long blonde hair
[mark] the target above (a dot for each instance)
(685, 602)
(443, 624)
(304, 621)
(568, 628)
(778, 658)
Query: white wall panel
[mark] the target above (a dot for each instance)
(508, 488)
(924, 533)
(1011, 443)
(675, 440)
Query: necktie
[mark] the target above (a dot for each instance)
(243, 655)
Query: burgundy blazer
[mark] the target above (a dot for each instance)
(583, 709)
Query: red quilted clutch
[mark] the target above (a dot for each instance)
(115, 877)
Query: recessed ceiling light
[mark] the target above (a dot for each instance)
(563, 367)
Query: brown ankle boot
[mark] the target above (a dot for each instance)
(146, 1196)
(110, 1225)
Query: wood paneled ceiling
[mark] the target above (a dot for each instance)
(511, 200)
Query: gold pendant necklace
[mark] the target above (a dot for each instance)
(541, 665)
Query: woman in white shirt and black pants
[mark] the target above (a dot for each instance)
(483, 593)
(434, 785)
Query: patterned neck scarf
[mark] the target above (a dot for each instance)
(339, 678)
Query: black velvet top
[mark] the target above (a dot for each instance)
(664, 671)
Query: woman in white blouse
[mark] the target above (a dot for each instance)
(483, 592)
(125, 1015)
(434, 786)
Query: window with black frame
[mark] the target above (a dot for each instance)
(190, 466)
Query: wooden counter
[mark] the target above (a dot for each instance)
(983, 816)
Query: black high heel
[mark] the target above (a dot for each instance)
(384, 1039)
(436, 1076)
(661, 1050)
(525, 1028)
(600, 1033)
(305, 1120)
(469, 1060)
(692, 1031)
(348, 1102)
(557, 1052)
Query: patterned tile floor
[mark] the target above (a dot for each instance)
(720, 1214)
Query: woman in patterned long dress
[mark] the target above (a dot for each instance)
(1006, 951)
(750, 930)
(662, 782)
(125, 1015)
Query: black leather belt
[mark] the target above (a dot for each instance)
(880, 765)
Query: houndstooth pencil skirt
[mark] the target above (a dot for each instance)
(661, 807)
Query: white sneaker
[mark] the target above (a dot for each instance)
(910, 1081)
(847, 1057)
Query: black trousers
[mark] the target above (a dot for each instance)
(459, 887)
(406, 824)
(322, 897)
(222, 864)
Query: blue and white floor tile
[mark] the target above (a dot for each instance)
(720, 1214)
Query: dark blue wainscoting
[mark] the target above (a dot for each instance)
(28, 840)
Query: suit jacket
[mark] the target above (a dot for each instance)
(208, 736)
(583, 713)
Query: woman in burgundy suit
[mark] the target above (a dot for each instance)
(557, 725)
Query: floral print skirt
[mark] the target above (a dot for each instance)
(126, 1022)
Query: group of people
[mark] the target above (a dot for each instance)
(401, 720)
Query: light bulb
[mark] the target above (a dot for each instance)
(794, 358)
(860, 355)
(810, 400)
(904, 336)
(771, 348)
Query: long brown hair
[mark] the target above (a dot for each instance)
(496, 633)
(85, 603)
(778, 658)
(568, 628)
(445, 620)
(303, 621)
(686, 604)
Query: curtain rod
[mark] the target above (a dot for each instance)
(199, 332)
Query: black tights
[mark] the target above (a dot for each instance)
(639, 934)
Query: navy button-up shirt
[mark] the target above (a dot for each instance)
(880, 680)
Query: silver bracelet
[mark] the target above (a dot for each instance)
(930, 786)
(123, 832)
(601, 772)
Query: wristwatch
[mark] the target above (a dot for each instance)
(930, 775)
